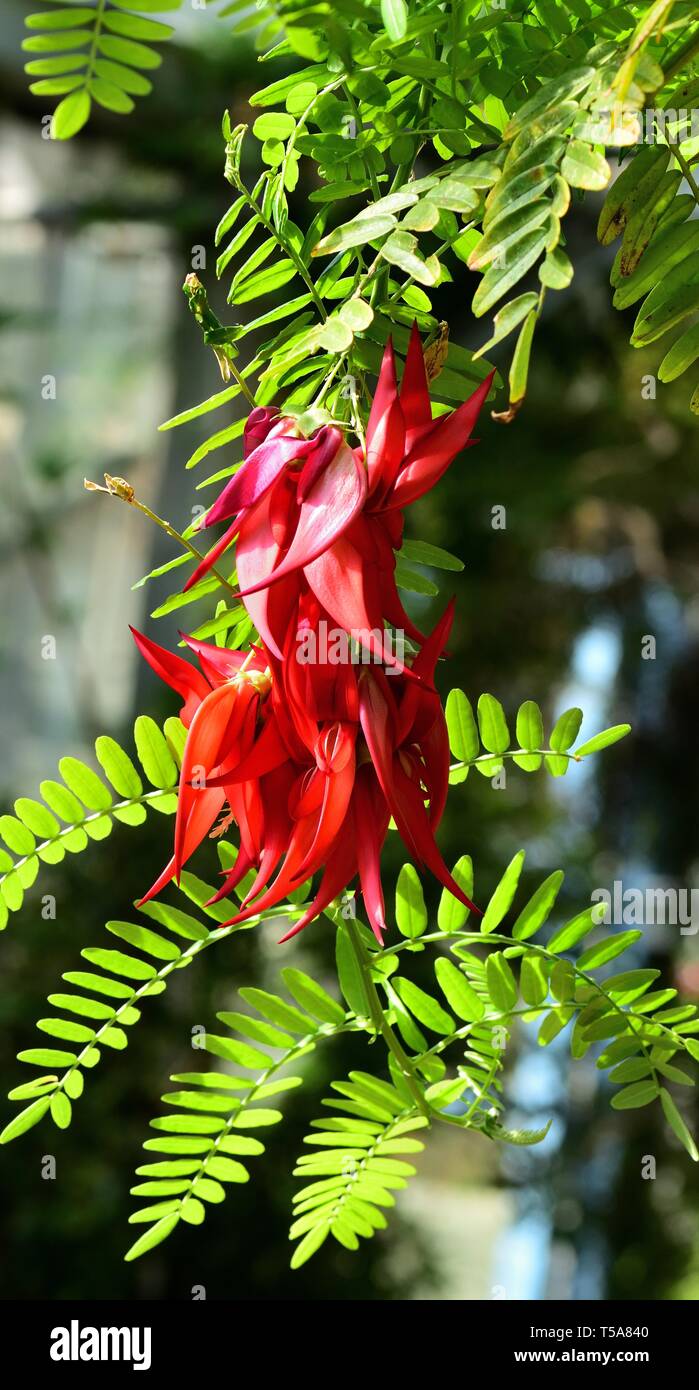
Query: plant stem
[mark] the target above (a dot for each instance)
(118, 487)
(214, 333)
(514, 753)
(287, 248)
(382, 1025)
(685, 54)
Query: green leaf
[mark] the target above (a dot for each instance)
(157, 1233)
(134, 55)
(603, 740)
(452, 913)
(507, 319)
(126, 78)
(310, 1243)
(25, 1120)
(85, 784)
(395, 18)
(118, 767)
(422, 553)
(506, 231)
(497, 282)
(518, 1137)
(633, 1069)
(357, 314)
(459, 994)
(604, 951)
(530, 726)
(426, 1009)
(519, 370)
(274, 125)
(501, 899)
(61, 1110)
(584, 167)
(335, 335)
(156, 758)
(682, 354)
(461, 725)
(537, 910)
(145, 940)
(278, 1011)
(493, 725)
(566, 730)
(556, 272)
(533, 981)
(674, 1119)
(358, 232)
(60, 19)
(568, 935)
(553, 1024)
(110, 96)
(411, 913)
(312, 997)
(638, 1094)
(349, 974)
(502, 985)
(70, 115)
(119, 964)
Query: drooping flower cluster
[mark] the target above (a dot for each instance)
(312, 756)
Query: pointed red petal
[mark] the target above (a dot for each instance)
(336, 799)
(256, 554)
(185, 679)
(242, 865)
(161, 882)
(376, 717)
(203, 750)
(298, 845)
(219, 664)
(340, 579)
(424, 665)
(340, 870)
(414, 391)
(257, 427)
(212, 555)
(432, 455)
(385, 434)
(324, 449)
(371, 819)
(267, 754)
(260, 470)
(330, 505)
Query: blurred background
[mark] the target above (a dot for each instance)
(600, 551)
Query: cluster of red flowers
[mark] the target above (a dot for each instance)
(313, 758)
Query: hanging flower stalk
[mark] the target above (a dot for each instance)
(311, 751)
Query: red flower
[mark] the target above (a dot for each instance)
(311, 759)
(318, 509)
(312, 762)
(220, 710)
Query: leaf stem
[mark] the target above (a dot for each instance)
(286, 246)
(381, 1023)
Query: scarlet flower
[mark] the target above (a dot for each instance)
(316, 509)
(221, 704)
(312, 761)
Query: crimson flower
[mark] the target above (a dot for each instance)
(322, 513)
(312, 763)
